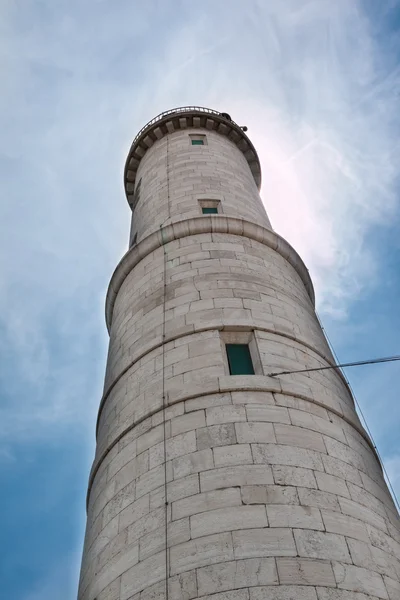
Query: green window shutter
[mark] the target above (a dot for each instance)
(211, 210)
(197, 143)
(239, 359)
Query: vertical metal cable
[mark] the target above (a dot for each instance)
(361, 413)
(164, 398)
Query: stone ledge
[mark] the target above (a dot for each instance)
(171, 338)
(195, 226)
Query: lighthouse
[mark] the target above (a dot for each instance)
(216, 476)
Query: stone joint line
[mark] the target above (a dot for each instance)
(199, 225)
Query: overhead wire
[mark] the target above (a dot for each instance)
(395, 498)
(164, 397)
(371, 361)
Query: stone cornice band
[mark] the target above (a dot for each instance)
(183, 118)
(198, 225)
(171, 338)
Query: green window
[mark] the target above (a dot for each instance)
(197, 142)
(210, 210)
(239, 359)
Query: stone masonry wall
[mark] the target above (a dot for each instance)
(217, 171)
(274, 490)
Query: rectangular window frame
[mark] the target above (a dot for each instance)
(242, 337)
(197, 139)
(210, 203)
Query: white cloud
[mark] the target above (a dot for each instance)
(320, 100)
(308, 78)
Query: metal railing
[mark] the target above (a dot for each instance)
(181, 109)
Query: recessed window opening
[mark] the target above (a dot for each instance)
(210, 207)
(239, 359)
(240, 350)
(198, 140)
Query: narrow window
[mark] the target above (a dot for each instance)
(197, 140)
(209, 206)
(239, 359)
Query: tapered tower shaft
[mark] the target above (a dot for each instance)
(212, 479)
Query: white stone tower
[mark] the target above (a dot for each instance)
(211, 478)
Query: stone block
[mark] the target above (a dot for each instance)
(203, 551)
(207, 401)
(302, 517)
(283, 592)
(385, 563)
(274, 454)
(183, 586)
(354, 509)
(361, 554)
(254, 432)
(332, 484)
(335, 594)
(315, 423)
(188, 422)
(357, 579)
(113, 569)
(380, 491)
(114, 547)
(299, 437)
(236, 574)
(221, 519)
(319, 544)
(136, 510)
(260, 543)
(205, 502)
(296, 476)
(305, 571)
(344, 453)
(120, 501)
(270, 414)
(230, 595)
(342, 524)
(393, 588)
(150, 481)
(182, 444)
(318, 499)
(245, 383)
(153, 542)
(142, 575)
(360, 495)
(146, 524)
(254, 400)
(235, 476)
(216, 435)
(196, 462)
(236, 454)
(111, 592)
(269, 494)
(225, 414)
(339, 468)
(183, 488)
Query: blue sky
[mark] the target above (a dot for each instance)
(318, 84)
